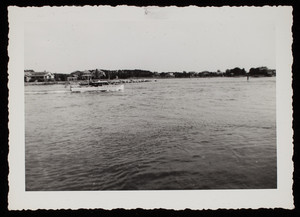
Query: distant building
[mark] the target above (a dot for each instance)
(219, 72)
(98, 73)
(31, 76)
(203, 74)
(192, 74)
(72, 78)
(27, 75)
(76, 74)
(86, 75)
(170, 75)
(156, 74)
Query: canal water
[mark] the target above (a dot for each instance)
(173, 134)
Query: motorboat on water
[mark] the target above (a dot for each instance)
(102, 86)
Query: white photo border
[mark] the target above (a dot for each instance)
(20, 199)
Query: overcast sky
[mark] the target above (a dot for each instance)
(64, 40)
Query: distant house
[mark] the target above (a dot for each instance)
(60, 77)
(203, 74)
(27, 75)
(98, 73)
(218, 72)
(72, 78)
(76, 74)
(170, 75)
(192, 74)
(30, 76)
(86, 75)
(156, 74)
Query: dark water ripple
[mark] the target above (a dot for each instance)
(216, 133)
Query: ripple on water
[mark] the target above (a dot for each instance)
(217, 133)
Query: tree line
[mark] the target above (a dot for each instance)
(138, 73)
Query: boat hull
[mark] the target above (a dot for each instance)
(104, 88)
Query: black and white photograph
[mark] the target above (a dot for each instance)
(129, 100)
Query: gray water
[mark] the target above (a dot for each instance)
(202, 133)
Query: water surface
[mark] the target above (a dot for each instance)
(202, 133)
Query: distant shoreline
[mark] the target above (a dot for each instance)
(32, 76)
(136, 80)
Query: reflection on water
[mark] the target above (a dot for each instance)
(206, 133)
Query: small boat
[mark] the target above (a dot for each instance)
(107, 88)
(102, 86)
